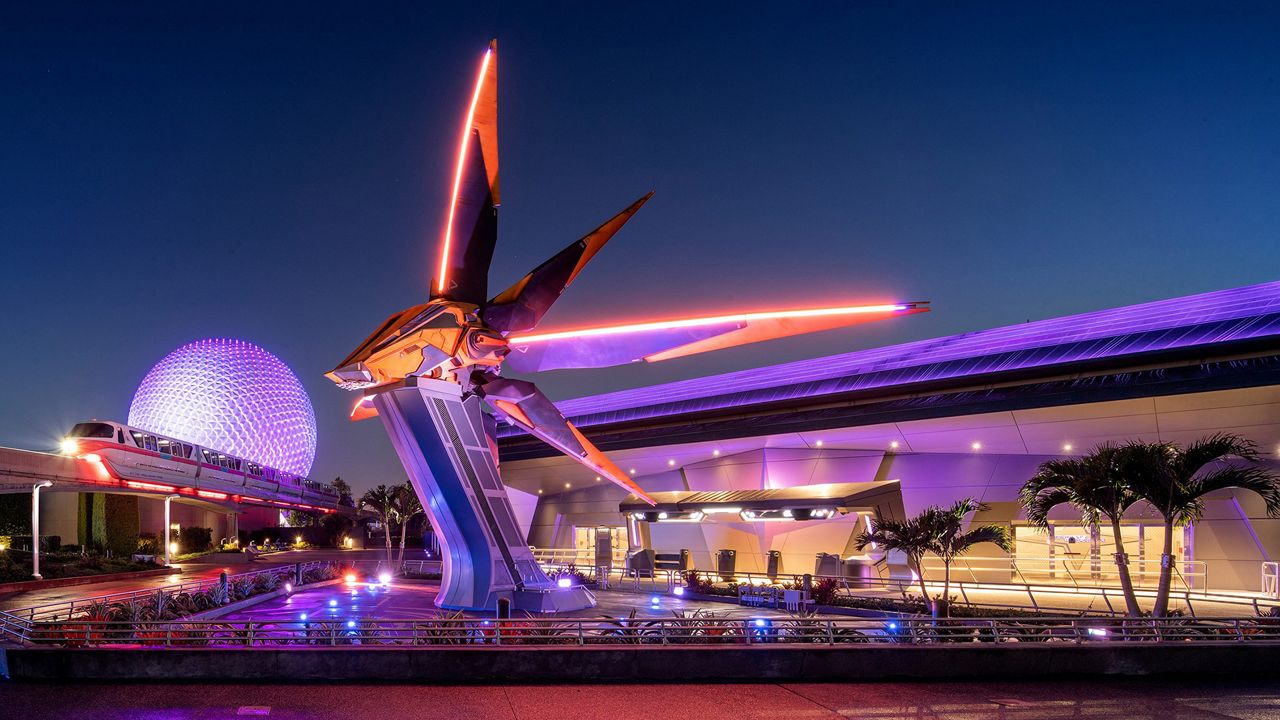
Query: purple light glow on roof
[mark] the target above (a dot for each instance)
(232, 396)
(1206, 319)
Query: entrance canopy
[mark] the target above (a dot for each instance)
(831, 496)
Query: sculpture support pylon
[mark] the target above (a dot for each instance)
(440, 438)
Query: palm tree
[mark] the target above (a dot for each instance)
(951, 540)
(1174, 480)
(407, 507)
(382, 500)
(343, 488)
(911, 537)
(1095, 486)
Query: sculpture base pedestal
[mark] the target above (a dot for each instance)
(554, 600)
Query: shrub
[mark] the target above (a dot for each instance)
(195, 539)
(120, 513)
(696, 583)
(240, 588)
(149, 544)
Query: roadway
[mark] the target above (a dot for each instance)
(1123, 698)
(190, 571)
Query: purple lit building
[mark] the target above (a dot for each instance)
(903, 427)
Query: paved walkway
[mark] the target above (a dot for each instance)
(415, 600)
(1102, 699)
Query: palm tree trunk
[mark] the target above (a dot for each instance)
(945, 600)
(386, 533)
(1166, 572)
(404, 527)
(1122, 570)
(924, 592)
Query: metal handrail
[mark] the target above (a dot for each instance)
(447, 632)
(1041, 597)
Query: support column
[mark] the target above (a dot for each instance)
(35, 527)
(168, 524)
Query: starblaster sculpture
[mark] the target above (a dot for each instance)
(432, 374)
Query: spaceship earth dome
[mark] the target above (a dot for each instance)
(232, 396)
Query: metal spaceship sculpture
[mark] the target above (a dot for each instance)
(429, 370)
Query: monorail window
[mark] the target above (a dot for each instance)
(186, 451)
(150, 442)
(162, 445)
(137, 438)
(208, 458)
(92, 430)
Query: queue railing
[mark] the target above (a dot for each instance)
(700, 630)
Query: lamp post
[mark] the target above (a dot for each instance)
(168, 544)
(35, 527)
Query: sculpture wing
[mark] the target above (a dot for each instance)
(525, 405)
(520, 307)
(663, 340)
(471, 230)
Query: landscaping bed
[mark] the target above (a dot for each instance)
(139, 620)
(15, 566)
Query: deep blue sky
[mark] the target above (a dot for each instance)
(173, 171)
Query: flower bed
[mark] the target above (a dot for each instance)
(138, 620)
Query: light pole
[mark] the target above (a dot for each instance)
(168, 543)
(35, 527)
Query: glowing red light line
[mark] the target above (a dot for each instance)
(698, 322)
(211, 494)
(457, 176)
(149, 486)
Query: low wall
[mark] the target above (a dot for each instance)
(28, 585)
(641, 664)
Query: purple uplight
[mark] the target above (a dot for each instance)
(232, 396)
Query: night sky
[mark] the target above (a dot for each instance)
(174, 171)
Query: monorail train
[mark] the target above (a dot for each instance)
(147, 461)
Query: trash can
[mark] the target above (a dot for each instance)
(641, 562)
(828, 564)
(774, 564)
(860, 571)
(726, 563)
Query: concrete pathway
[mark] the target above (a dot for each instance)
(1101, 699)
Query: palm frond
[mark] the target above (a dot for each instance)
(1215, 447)
(1255, 478)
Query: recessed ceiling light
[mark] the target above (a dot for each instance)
(568, 485)
(716, 453)
(976, 446)
(539, 491)
(597, 478)
(670, 463)
(894, 444)
(1066, 447)
(632, 471)
(819, 443)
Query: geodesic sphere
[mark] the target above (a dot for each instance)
(233, 396)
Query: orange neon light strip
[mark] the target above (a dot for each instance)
(457, 176)
(211, 494)
(699, 322)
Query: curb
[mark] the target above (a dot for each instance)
(488, 664)
(28, 585)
